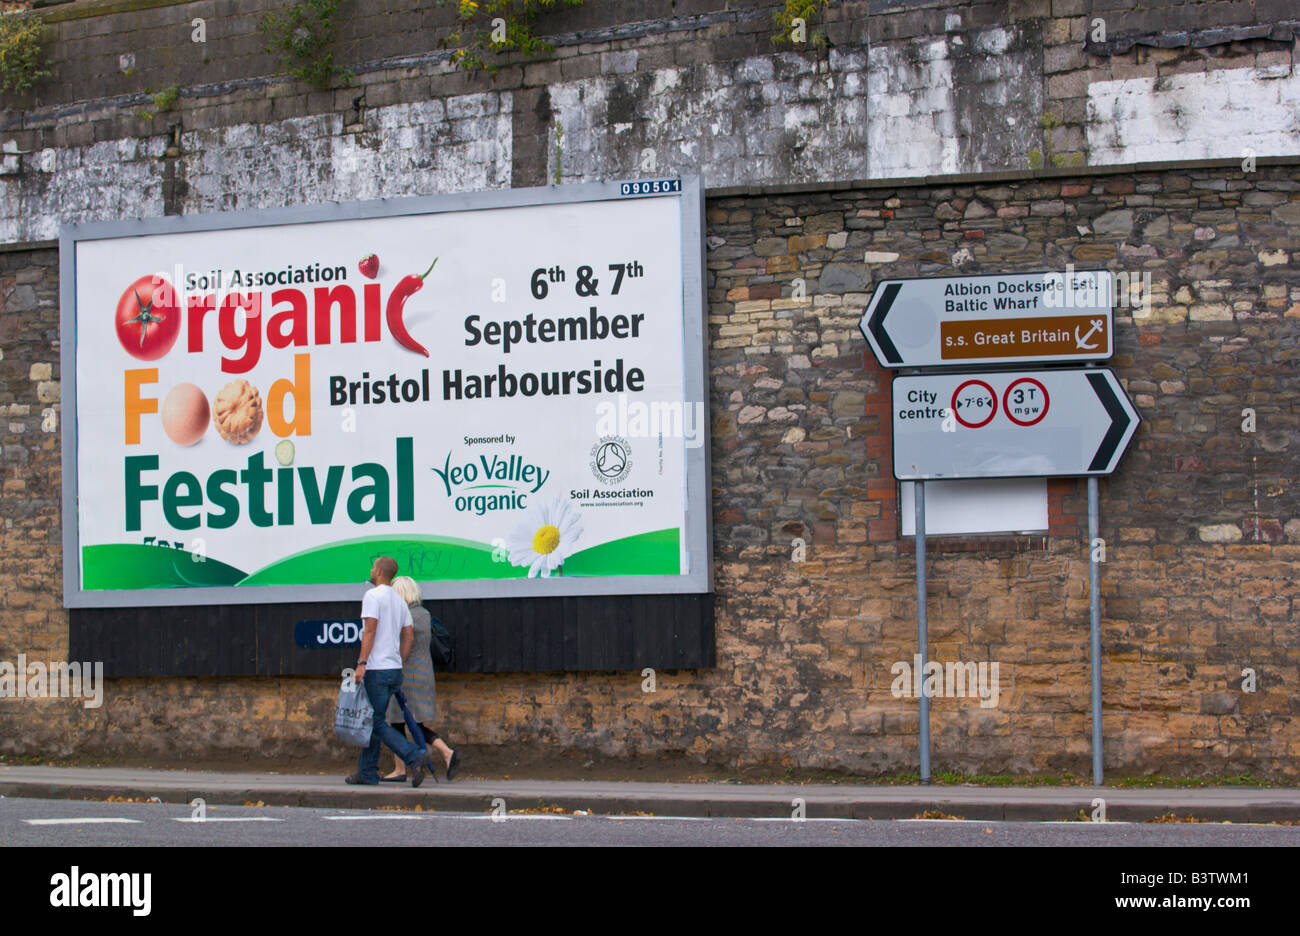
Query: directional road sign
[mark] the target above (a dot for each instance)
(1014, 318)
(1025, 424)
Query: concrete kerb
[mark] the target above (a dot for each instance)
(747, 801)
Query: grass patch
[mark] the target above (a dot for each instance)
(955, 778)
(1243, 780)
(29, 760)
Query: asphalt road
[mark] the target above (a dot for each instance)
(55, 822)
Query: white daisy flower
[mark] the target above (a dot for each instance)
(546, 537)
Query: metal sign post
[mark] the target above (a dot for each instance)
(1094, 602)
(922, 637)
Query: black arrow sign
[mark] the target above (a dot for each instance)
(877, 324)
(1119, 421)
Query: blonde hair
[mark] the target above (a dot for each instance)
(405, 586)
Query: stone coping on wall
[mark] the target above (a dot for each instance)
(977, 178)
(1005, 175)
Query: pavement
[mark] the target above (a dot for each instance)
(838, 801)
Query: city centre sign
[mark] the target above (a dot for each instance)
(1024, 424)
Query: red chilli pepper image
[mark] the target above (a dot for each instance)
(405, 288)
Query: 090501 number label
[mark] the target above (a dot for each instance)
(657, 187)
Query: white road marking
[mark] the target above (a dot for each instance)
(488, 818)
(87, 820)
(513, 818)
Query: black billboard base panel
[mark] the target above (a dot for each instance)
(500, 635)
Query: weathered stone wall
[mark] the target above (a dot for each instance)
(904, 89)
(1202, 520)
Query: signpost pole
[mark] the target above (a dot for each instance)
(1094, 600)
(922, 638)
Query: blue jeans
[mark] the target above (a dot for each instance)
(379, 687)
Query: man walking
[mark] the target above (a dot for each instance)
(385, 642)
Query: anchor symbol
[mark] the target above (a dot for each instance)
(1082, 343)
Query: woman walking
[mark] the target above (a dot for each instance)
(418, 684)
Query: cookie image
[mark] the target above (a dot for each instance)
(237, 412)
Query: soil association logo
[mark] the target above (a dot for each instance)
(611, 459)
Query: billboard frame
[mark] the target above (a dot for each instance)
(697, 497)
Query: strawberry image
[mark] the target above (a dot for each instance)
(369, 266)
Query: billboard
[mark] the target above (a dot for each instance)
(504, 391)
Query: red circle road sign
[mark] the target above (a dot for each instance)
(1029, 401)
(975, 403)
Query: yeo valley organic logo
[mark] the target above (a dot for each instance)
(491, 482)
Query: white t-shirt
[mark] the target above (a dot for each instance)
(388, 608)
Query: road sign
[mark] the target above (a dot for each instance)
(1014, 318)
(1024, 424)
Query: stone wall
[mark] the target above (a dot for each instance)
(1202, 520)
(904, 89)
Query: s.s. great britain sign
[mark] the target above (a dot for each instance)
(994, 319)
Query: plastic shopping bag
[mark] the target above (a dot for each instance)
(354, 718)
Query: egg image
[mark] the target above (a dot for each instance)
(185, 414)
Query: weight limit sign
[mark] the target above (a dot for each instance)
(1039, 424)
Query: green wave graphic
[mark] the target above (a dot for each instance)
(654, 553)
(116, 566)
(441, 558)
(426, 558)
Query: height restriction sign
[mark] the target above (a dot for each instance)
(1051, 423)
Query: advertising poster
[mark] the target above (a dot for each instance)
(507, 399)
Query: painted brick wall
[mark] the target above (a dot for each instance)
(1202, 521)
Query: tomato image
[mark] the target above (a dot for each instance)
(148, 319)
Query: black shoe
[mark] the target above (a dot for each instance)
(453, 765)
(416, 772)
(355, 780)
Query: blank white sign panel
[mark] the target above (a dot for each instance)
(1002, 505)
